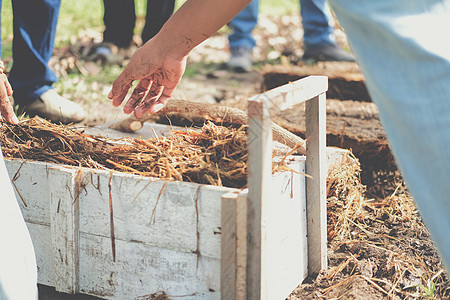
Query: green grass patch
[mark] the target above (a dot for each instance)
(77, 16)
(278, 8)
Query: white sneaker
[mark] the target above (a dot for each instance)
(52, 106)
(241, 59)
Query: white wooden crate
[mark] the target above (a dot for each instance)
(189, 240)
(155, 240)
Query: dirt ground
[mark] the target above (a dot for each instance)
(378, 246)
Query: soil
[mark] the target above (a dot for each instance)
(375, 254)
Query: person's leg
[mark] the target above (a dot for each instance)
(119, 18)
(18, 270)
(407, 71)
(242, 26)
(158, 12)
(31, 78)
(34, 34)
(316, 17)
(318, 38)
(241, 41)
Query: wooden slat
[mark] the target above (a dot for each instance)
(316, 166)
(228, 247)
(293, 93)
(284, 221)
(241, 245)
(64, 220)
(259, 179)
(234, 246)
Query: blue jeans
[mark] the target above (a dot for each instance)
(34, 34)
(316, 18)
(243, 25)
(407, 71)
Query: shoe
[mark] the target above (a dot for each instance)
(105, 53)
(55, 108)
(330, 52)
(241, 59)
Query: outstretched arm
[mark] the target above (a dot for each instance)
(159, 64)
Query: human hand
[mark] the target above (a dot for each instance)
(158, 75)
(6, 109)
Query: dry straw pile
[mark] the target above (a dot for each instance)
(378, 246)
(216, 155)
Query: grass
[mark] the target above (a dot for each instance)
(429, 290)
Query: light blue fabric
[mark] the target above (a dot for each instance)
(316, 18)
(404, 53)
(18, 271)
(243, 25)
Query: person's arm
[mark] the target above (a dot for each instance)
(6, 109)
(160, 63)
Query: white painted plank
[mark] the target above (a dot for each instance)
(234, 246)
(64, 218)
(158, 213)
(293, 93)
(316, 166)
(337, 157)
(241, 245)
(141, 270)
(30, 183)
(284, 224)
(284, 220)
(228, 259)
(259, 191)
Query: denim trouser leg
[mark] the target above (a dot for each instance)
(316, 17)
(158, 12)
(34, 35)
(18, 271)
(242, 26)
(407, 70)
(119, 18)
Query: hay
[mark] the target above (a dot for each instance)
(345, 198)
(216, 155)
(369, 233)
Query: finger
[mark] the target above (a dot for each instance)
(138, 94)
(154, 106)
(120, 89)
(9, 89)
(162, 101)
(6, 108)
(158, 105)
(148, 103)
(117, 99)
